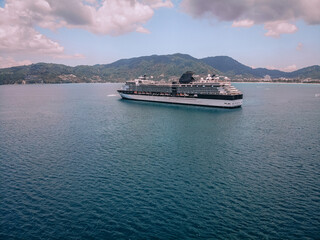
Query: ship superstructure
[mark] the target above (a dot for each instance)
(209, 91)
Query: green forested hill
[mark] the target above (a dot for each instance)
(159, 66)
(310, 72)
(35, 73)
(233, 68)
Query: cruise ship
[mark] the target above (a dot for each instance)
(209, 91)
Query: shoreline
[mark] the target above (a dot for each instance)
(259, 82)
(279, 82)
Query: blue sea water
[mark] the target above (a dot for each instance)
(79, 163)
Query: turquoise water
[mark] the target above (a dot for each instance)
(79, 163)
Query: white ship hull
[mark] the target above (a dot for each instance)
(185, 100)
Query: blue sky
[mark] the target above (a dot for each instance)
(50, 32)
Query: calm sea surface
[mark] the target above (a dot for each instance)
(79, 163)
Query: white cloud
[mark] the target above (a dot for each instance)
(74, 56)
(17, 34)
(18, 19)
(277, 16)
(109, 17)
(158, 4)
(272, 68)
(299, 46)
(142, 30)
(91, 1)
(6, 62)
(243, 23)
(118, 17)
(275, 29)
(290, 68)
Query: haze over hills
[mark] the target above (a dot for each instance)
(160, 66)
(233, 68)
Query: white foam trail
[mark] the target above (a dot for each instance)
(112, 95)
(317, 95)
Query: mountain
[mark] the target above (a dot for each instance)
(159, 66)
(310, 72)
(233, 68)
(34, 73)
(227, 65)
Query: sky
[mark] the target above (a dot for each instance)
(275, 34)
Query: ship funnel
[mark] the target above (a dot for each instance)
(186, 77)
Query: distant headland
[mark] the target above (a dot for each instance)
(161, 67)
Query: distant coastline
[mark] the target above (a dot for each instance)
(314, 81)
(158, 67)
(260, 82)
(274, 82)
